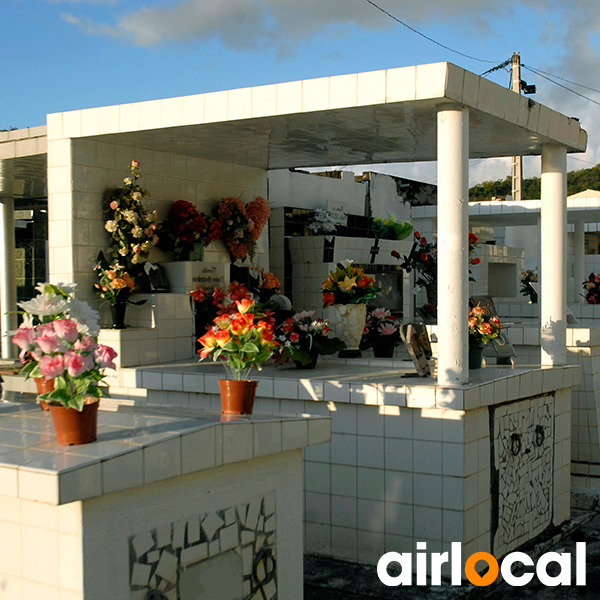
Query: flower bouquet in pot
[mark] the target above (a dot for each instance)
(115, 287)
(184, 229)
(483, 327)
(240, 340)
(54, 302)
(73, 359)
(382, 333)
(303, 338)
(348, 289)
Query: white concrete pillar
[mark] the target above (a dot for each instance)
(453, 230)
(8, 285)
(579, 274)
(553, 237)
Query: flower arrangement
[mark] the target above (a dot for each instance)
(239, 226)
(321, 222)
(263, 285)
(183, 227)
(224, 302)
(483, 327)
(131, 227)
(59, 350)
(347, 284)
(381, 327)
(422, 259)
(114, 285)
(527, 277)
(57, 301)
(240, 340)
(592, 289)
(391, 229)
(302, 336)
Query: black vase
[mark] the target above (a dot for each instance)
(314, 356)
(383, 349)
(117, 312)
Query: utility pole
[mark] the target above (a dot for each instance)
(517, 167)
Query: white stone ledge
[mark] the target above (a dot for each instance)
(136, 446)
(368, 382)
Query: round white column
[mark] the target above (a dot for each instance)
(579, 274)
(553, 237)
(8, 286)
(453, 230)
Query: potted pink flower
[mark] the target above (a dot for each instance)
(382, 333)
(483, 327)
(61, 351)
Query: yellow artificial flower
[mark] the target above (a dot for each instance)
(348, 283)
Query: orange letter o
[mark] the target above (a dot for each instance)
(473, 576)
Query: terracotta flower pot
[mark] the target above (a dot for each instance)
(237, 397)
(44, 387)
(73, 427)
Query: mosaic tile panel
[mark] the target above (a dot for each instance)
(523, 471)
(230, 552)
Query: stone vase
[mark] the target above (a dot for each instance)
(352, 318)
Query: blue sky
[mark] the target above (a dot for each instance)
(60, 55)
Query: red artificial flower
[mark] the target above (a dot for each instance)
(424, 256)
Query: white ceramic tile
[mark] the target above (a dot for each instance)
(267, 438)
(294, 434)
(370, 451)
(342, 91)
(9, 481)
(343, 480)
(371, 515)
(371, 88)
(40, 546)
(398, 454)
(427, 457)
(318, 508)
(192, 109)
(401, 84)
(371, 483)
(289, 97)
(122, 472)
(215, 107)
(343, 449)
(81, 483)
(285, 388)
(427, 523)
(315, 94)
(38, 486)
(162, 460)
(318, 477)
(319, 431)
(344, 543)
(239, 104)
(70, 562)
(336, 392)
(427, 490)
(238, 442)
(264, 100)
(431, 80)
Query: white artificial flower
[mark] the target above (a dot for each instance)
(45, 305)
(137, 232)
(130, 216)
(123, 251)
(304, 314)
(88, 320)
(136, 196)
(127, 181)
(110, 226)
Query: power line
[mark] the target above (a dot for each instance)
(562, 79)
(385, 12)
(539, 74)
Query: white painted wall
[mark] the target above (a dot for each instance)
(302, 190)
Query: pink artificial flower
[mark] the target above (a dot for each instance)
(387, 329)
(114, 205)
(66, 329)
(380, 313)
(77, 364)
(104, 356)
(135, 163)
(48, 342)
(24, 338)
(85, 344)
(52, 366)
(137, 249)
